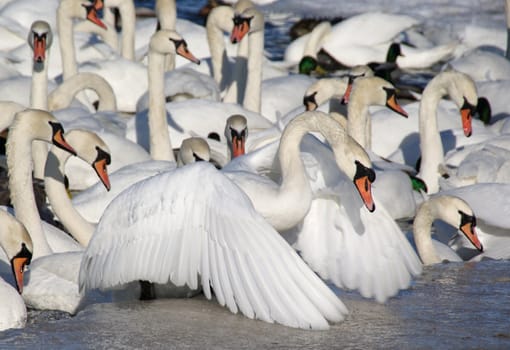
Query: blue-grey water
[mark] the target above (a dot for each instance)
(450, 306)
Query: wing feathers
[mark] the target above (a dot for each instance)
(166, 228)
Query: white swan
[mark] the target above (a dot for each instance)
(236, 133)
(453, 211)
(30, 125)
(236, 252)
(365, 32)
(462, 91)
(284, 205)
(488, 201)
(17, 245)
(163, 43)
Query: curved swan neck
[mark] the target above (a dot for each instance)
(431, 146)
(63, 95)
(422, 234)
(77, 226)
(160, 145)
(19, 162)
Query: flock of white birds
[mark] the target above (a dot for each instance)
(200, 166)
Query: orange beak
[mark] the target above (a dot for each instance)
(18, 268)
(237, 146)
(182, 50)
(364, 187)
(392, 104)
(347, 93)
(469, 231)
(58, 138)
(39, 49)
(93, 17)
(98, 4)
(465, 114)
(239, 31)
(101, 171)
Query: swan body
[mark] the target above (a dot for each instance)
(12, 307)
(92, 202)
(365, 32)
(482, 65)
(224, 257)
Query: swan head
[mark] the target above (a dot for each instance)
(17, 244)
(458, 213)
(236, 133)
(376, 91)
(247, 19)
(193, 149)
(354, 73)
(322, 90)
(170, 42)
(462, 90)
(93, 150)
(41, 125)
(92, 14)
(40, 38)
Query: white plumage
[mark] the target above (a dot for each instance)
(163, 229)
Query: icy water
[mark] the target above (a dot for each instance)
(450, 306)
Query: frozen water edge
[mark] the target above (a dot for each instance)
(455, 305)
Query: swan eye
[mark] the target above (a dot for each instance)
(101, 154)
(363, 171)
(197, 157)
(239, 20)
(468, 106)
(179, 42)
(467, 219)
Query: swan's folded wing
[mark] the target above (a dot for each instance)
(194, 225)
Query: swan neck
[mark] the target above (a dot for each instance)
(60, 202)
(19, 163)
(64, 94)
(251, 99)
(128, 15)
(65, 31)
(422, 235)
(431, 146)
(358, 121)
(160, 145)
